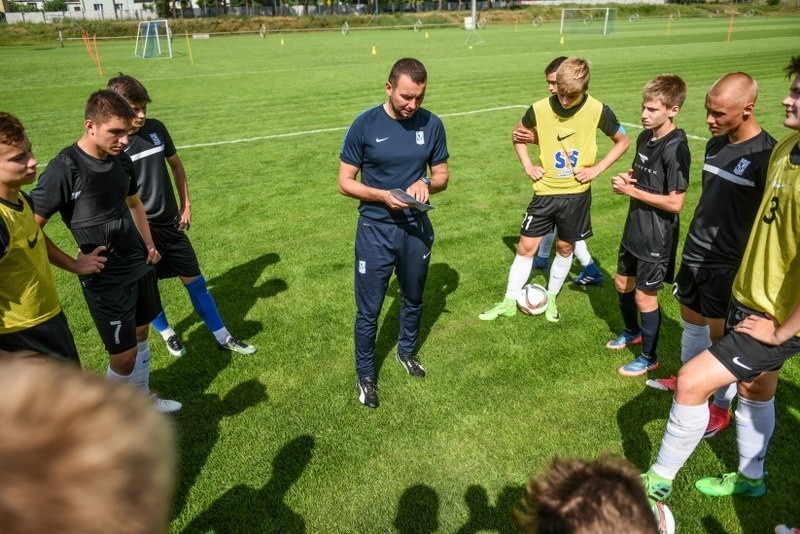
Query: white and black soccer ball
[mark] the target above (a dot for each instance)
(664, 518)
(532, 299)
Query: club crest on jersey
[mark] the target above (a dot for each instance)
(741, 166)
(155, 139)
(420, 138)
(362, 266)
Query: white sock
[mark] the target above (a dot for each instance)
(116, 377)
(558, 273)
(755, 423)
(222, 335)
(581, 251)
(518, 276)
(694, 340)
(546, 245)
(724, 395)
(168, 333)
(140, 378)
(685, 429)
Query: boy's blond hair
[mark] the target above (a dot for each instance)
(572, 76)
(80, 454)
(669, 89)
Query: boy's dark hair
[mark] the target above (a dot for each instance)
(104, 105)
(130, 88)
(11, 130)
(576, 496)
(668, 89)
(412, 68)
(553, 65)
(793, 68)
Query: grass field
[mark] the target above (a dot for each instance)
(277, 442)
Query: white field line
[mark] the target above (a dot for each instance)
(343, 128)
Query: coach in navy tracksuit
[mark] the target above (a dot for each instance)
(392, 145)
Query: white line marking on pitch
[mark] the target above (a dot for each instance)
(342, 128)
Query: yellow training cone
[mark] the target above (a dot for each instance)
(562, 39)
(282, 40)
(374, 52)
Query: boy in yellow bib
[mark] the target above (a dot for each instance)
(566, 125)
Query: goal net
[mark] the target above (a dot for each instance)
(588, 20)
(153, 39)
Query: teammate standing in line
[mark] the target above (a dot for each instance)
(762, 332)
(590, 275)
(151, 148)
(32, 322)
(92, 185)
(566, 125)
(734, 173)
(392, 146)
(656, 186)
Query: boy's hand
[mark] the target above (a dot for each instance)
(623, 183)
(586, 174)
(186, 219)
(524, 135)
(90, 263)
(534, 172)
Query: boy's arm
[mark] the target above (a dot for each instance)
(535, 172)
(523, 134)
(621, 142)
(83, 264)
(767, 329)
(623, 184)
(140, 220)
(182, 184)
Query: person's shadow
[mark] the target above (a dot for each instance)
(442, 280)
(485, 517)
(417, 511)
(245, 509)
(235, 293)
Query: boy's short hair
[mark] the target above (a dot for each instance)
(104, 105)
(553, 65)
(130, 88)
(81, 454)
(573, 76)
(793, 68)
(413, 68)
(11, 129)
(739, 86)
(669, 89)
(606, 495)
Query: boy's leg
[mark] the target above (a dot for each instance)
(558, 274)
(518, 276)
(590, 274)
(542, 259)
(625, 284)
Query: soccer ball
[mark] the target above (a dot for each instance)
(664, 518)
(532, 299)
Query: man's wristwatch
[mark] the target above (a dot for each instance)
(425, 180)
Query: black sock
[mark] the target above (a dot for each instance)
(651, 325)
(630, 313)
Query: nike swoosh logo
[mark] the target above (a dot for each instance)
(425, 257)
(562, 138)
(648, 284)
(776, 185)
(584, 234)
(32, 244)
(380, 140)
(740, 364)
(711, 157)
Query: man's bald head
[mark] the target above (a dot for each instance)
(738, 87)
(730, 107)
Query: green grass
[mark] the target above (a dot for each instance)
(278, 442)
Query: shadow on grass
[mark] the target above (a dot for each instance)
(484, 517)
(244, 509)
(442, 280)
(235, 293)
(417, 511)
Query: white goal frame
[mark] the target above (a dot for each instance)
(149, 37)
(604, 12)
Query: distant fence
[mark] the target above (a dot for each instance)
(66, 16)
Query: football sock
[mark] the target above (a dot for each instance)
(694, 340)
(518, 276)
(755, 423)
(724, 395)
(161, 324)
(558, 273)
(630, 313)
(222, 335)
(546, 245)
(116, 377)
(685, 429)
(651, 325)
(581, 252)
(140, 378)
(204, 303)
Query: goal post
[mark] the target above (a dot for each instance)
(588, 20)
(153, 39)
